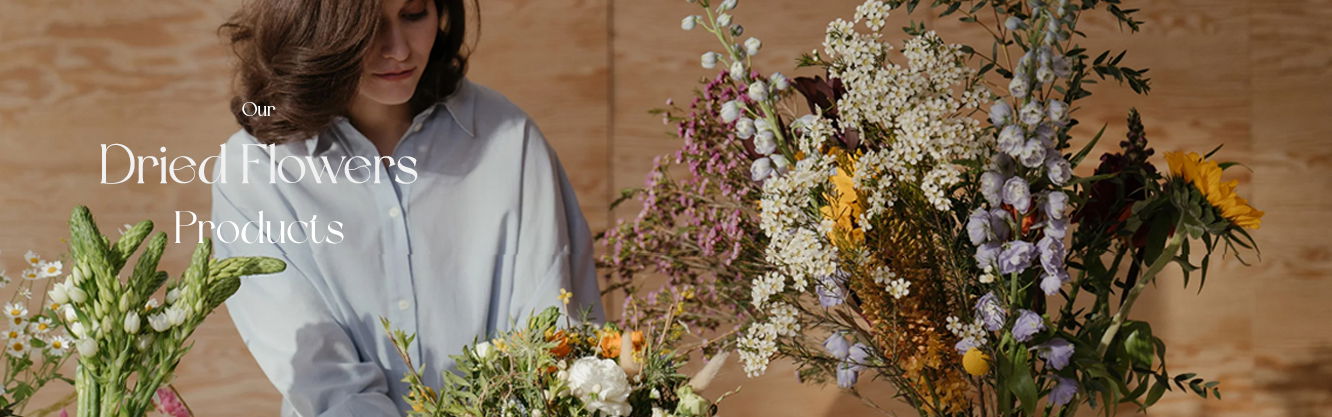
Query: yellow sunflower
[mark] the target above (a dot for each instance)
(1205, 175)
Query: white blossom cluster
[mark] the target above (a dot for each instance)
(923, 107)
(797, 247)
(971, 334)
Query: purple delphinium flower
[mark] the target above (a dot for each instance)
(1031, 113)
(992, 184)
(849, 370)
(965, 344)
(837, 346)
(1063, 390)
(1011, 139)
(990, 312)
(988, 254)
(999, 224)
(1032, 153)
(1056, 228)
(1057, 111)
(1027, 325)
(1000, 112)
(1058, 169)
(1016, 257)
(1050, 283)
(978, 226)
(1056, 352)
(830, 290)
(1056, 202)
(1017, 194)
(1052, 254)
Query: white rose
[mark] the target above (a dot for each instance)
(601, 384)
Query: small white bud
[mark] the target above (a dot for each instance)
(758, 91)
(132, 323)
(723, 20)
(779, 82)
(752, 46)
(689, 22)
(86, 347)
(730, 111)
(709, 59)
(737, 70)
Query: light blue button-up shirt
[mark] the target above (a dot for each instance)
(488, 232)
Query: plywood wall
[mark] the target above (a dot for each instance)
(1247, 73)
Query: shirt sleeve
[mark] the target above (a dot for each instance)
(554, 248)
(289, 328)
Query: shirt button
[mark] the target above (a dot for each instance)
(395, 212)
(403, 304)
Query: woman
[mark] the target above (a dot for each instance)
(462, 222)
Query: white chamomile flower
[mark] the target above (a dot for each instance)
(17, 348)
(13, 310)
(42, 325)
(14, 332)
(151, 304)
(50, 269)
(32, 258)
(58, 345)
(31, 274)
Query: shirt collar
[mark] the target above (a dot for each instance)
(461, 106)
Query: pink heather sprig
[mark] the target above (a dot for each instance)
(696, 225)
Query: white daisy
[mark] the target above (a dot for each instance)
(41, 325)
(31, 274)
(17, 348)
(32, 258)
(58, 345)
(50, 269)
(13, 310)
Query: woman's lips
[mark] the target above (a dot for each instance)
(394, 76)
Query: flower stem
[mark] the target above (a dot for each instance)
(1167, 255)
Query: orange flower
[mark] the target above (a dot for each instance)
(609, 343)
(844, 208)
(1205, 175)
(561, 349)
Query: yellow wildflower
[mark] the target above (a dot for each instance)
(844, 208)
(565, 295)
(976, 362)
(1205, 175)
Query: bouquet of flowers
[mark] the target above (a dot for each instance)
(35, 348)
(574, 369)
(128, 341)
(905, 231)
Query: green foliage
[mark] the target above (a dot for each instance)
(121, 365)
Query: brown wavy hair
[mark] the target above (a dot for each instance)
(305, 58)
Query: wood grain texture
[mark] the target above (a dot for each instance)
(1247, 73)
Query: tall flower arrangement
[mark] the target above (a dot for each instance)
(129, 343)
(923, 222)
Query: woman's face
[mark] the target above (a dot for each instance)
(400, 51)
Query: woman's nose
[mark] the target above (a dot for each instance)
(393, 45)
